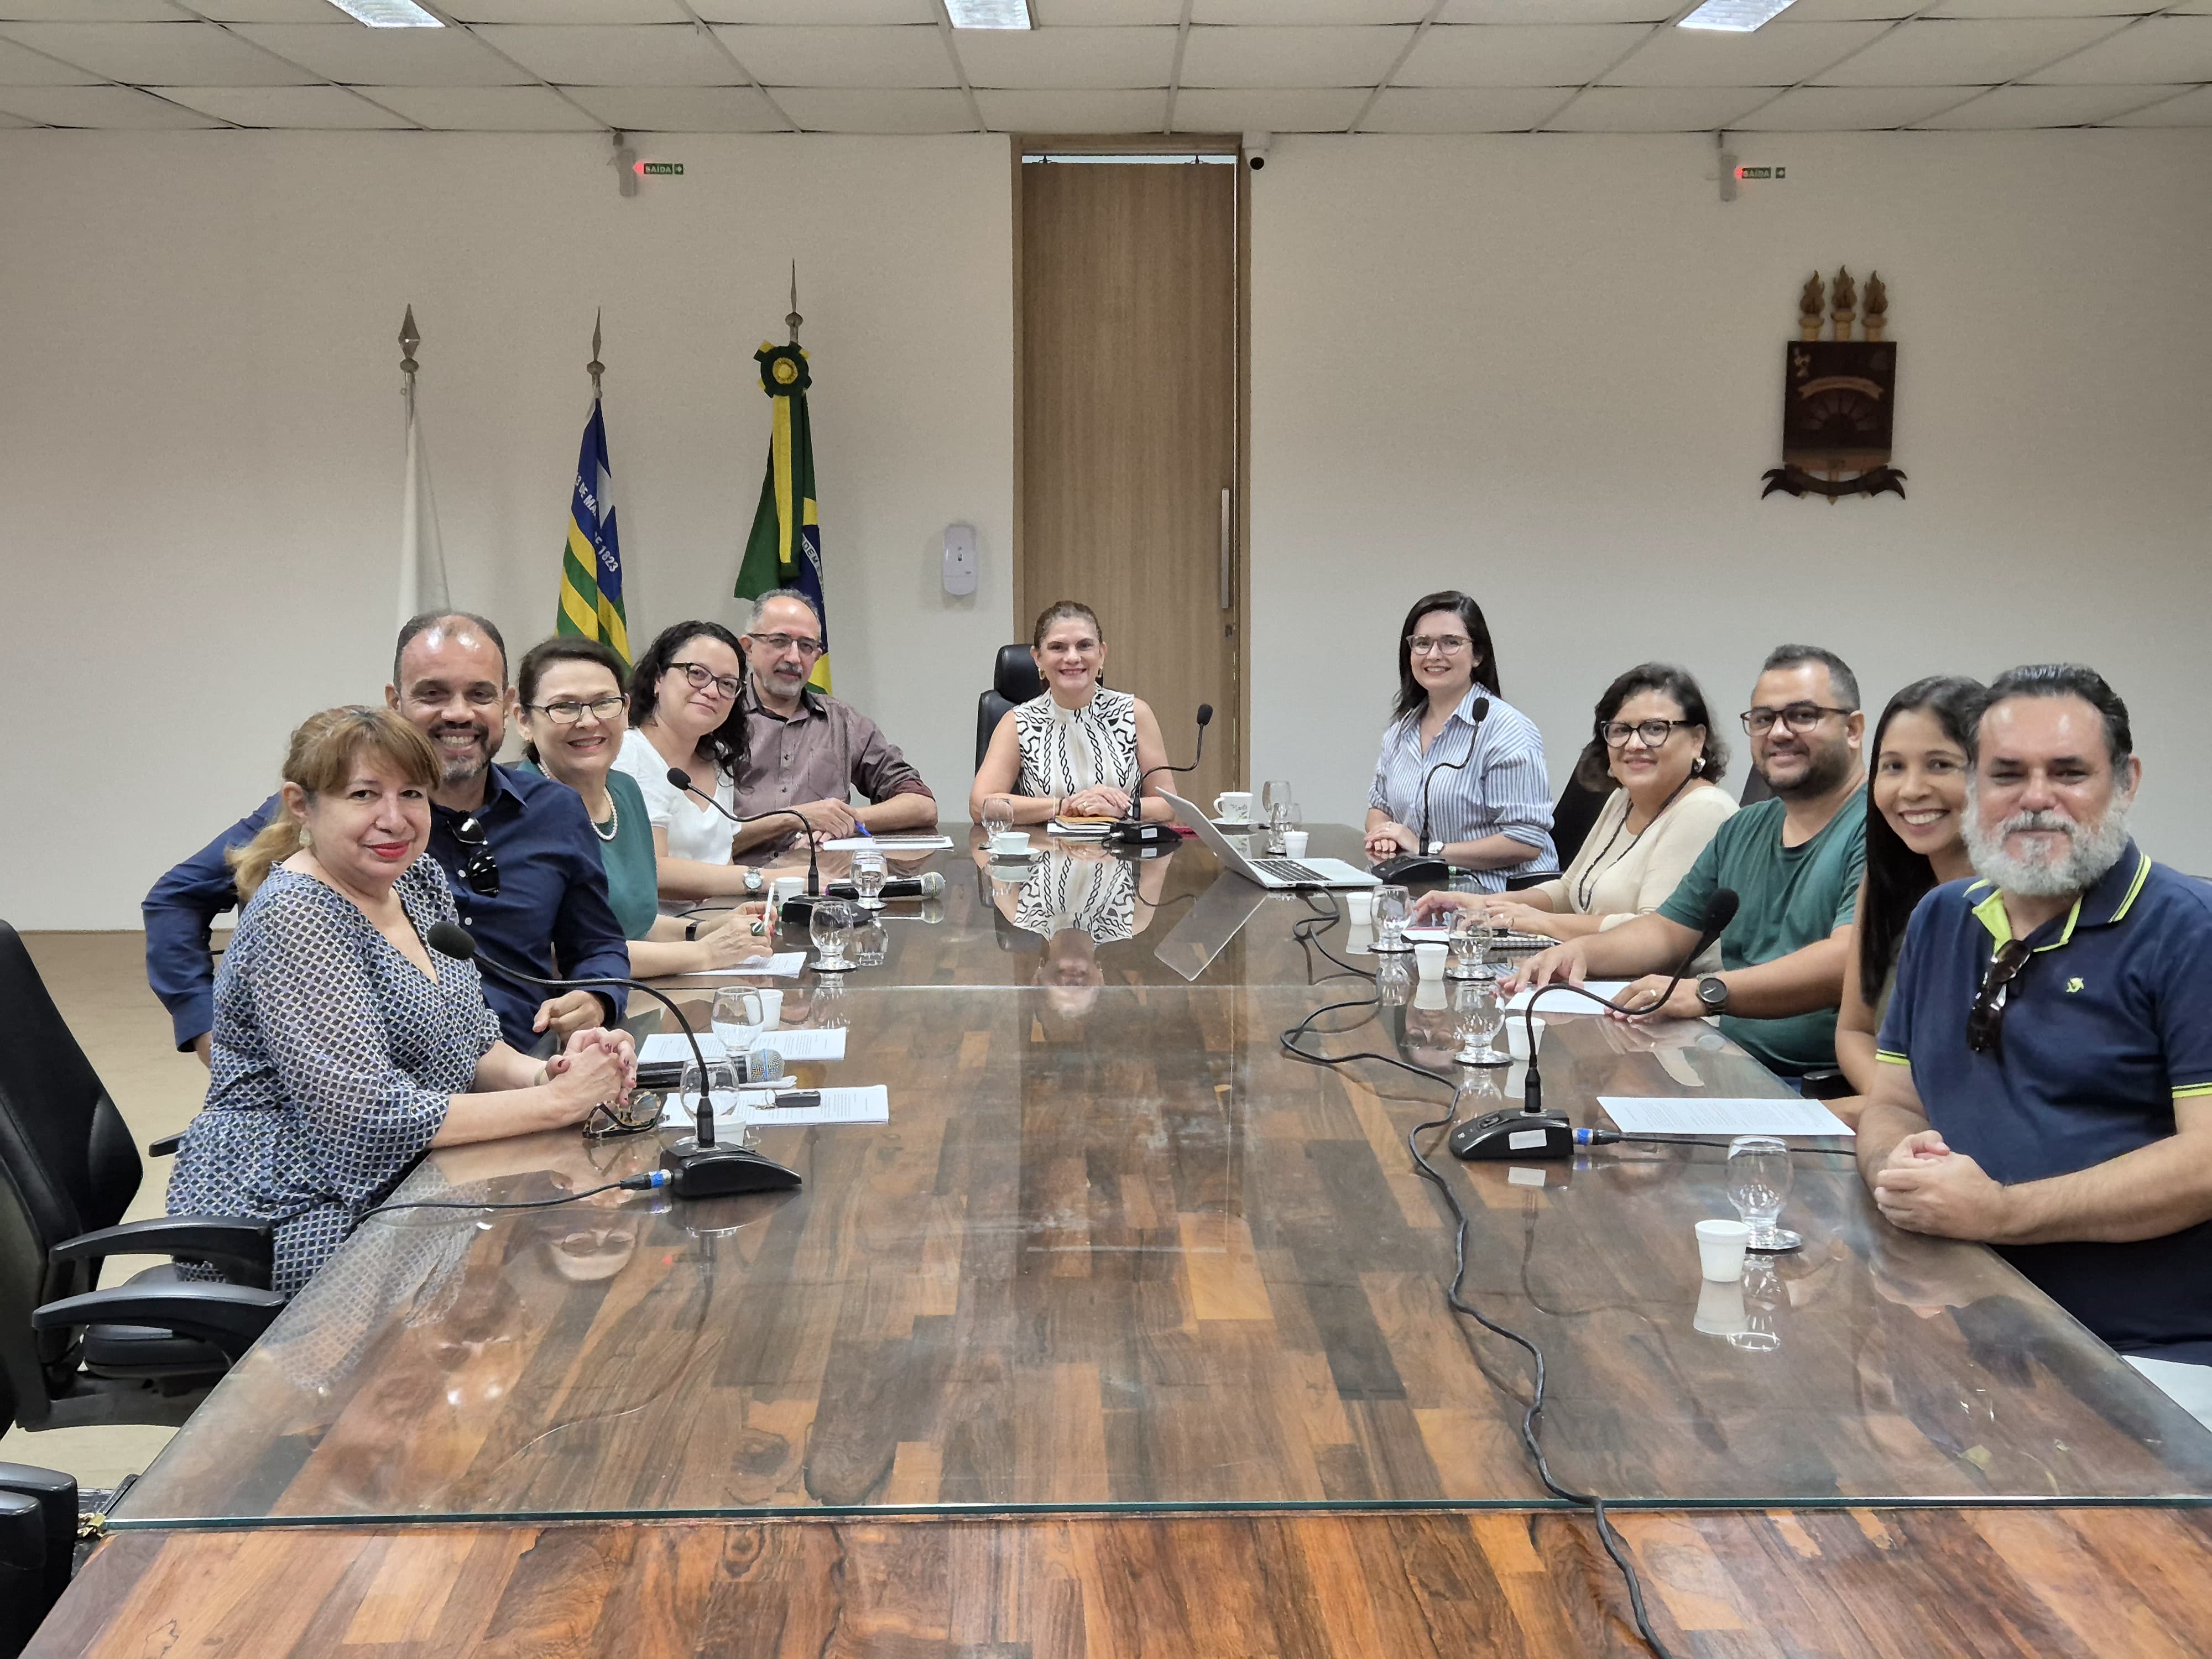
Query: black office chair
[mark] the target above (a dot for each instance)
(143, 1351)
(1014, 678)
(38, 1541)
(1572, 815)
(1755, 789)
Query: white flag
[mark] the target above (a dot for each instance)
(422, 553)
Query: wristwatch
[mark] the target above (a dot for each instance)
(1713, 994)
(754, 880)
(691, 931)
(1436, 850)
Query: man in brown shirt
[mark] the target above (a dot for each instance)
(808, 752)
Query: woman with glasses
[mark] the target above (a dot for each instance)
(1915, 840)
(575, 717)
(1461, 776)
(1652, 737)
(687, 714)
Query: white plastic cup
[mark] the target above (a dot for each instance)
(1294, 843)
(1359, 906)
(1430, 958)
(771, 1009)
(1721, 1246)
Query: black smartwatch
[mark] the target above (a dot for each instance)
(691, 930)
(1713, 994)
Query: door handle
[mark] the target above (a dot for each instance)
(1228, 554)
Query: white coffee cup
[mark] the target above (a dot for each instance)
(1294, 843)
(1430, 959)
(1359, 907)
(1721, 1246)
(1234, 804)
(1010, 844)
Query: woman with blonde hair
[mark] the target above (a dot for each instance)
(344, 1046)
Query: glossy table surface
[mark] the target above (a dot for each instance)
(1117, 1250)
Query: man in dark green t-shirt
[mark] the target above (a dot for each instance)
(1793, 863)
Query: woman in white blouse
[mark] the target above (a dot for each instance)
(686, 712)
(1654, 738)
(1078, 750)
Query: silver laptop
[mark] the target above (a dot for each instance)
(1273, 872)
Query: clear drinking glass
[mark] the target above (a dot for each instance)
(871, 940)
(738, 1019)
(868, 873)
(1392, 905)
(1758, 1172)
(830, 1008)
(831, 929)
(1481, 1015)
(1270, 794)
(1394, 981)
(1470, 944)
(998, 815)
(1281, 817)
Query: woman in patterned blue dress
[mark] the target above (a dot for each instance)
(1076, 752)
(344, 1047)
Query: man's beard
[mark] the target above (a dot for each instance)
(454, 769)
(1825, 768)
(2089, 853)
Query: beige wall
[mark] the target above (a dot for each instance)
(201, 440)
(1547, 371)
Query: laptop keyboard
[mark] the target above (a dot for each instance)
(1288, 870)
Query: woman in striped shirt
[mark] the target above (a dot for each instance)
(1488, 807)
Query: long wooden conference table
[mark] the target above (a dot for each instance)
(1127, 1335)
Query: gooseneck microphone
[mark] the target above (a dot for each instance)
(1133, 830)
(1532, 1131)
(698, 1166)
(1421, 865)
(681, 780)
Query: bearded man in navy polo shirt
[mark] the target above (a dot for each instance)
(2048, 1088)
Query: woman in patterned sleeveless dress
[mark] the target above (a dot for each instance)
(1076, 752)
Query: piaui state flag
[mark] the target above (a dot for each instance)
(591, 565)
(784, 548)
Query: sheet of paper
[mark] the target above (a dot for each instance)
(1717, 1116)
(889, 843)
(792, 1043)
(1559, 1002)
(784, 964)
(871, 1104)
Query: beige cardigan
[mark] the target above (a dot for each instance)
(1626, 877)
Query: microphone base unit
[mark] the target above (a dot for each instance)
(1141, 835)
(1414, 870)
(697, 1171)
(1513, 1137)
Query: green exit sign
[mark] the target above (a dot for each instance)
(662, 169)
(1762, 172)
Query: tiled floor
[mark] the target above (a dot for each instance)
(99, 982)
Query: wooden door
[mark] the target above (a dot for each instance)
(1129, 375)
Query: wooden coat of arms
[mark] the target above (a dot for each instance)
(1839, 397)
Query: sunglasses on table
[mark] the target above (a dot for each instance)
(481, 871)
(1985, 1021)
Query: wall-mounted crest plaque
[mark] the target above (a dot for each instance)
(1839, 397)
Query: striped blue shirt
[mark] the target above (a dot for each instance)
(1504, 791)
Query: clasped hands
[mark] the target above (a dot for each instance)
(1926, 1187)
(594, 1067)
(1101, 800)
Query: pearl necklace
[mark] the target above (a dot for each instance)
(614, 819)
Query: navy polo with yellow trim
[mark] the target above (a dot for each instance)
(2107, 1025)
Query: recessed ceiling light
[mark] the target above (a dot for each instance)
(1735, 17)
(388, 14)
(989, 14)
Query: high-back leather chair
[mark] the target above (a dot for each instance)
(142, 1352)
(38, 1541)
(1014, 678)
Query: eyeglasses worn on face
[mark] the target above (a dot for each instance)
(1616, 733)
(1798, 717)
(567, 712)
(482, 870)
(1450, 644)
(777, 644)
(1985, 1021)
(701, 677)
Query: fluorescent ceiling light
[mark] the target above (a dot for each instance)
(388, 14)
(1735, 17)
(989, 14)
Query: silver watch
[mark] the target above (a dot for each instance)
(754, 881)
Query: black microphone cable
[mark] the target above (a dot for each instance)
(637, 1184)
(1306, 934)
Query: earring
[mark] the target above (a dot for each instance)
(306, 837)
(1696, 766)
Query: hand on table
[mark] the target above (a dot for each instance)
(1101, 800)
(734, 941)
(1563, 964)
(589, 1072)
(1650, 1000)
(831, 820)
(1386, 840)
(571, 1012)
(1435, 909)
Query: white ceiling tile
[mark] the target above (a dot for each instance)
(1966, 51)
(1764, 57)
(1848, 11)
(165, 54)
(1461, 109)
(2191, 109)
(1518, 54)
(876, 109)
(360, 56)
(1277, 12)
(277, 11)
(1074, 112)
(22, 67)
(2042, 8)
(319, 108)
(629, 55)
(2156, 49)
(10, 122)
(1559, 12)
(564, 11)
(1219, 57)
(1655, 109)
(1036, 58)
(840, 58)
(1851, 109)
(681, 109)
(118, 107)
(1308, 109)
(2047, 107)
(488, 109)
(812, 11)
(1104, 14)
(90, 11)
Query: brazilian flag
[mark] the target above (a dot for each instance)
(785, 547)
(590, 566)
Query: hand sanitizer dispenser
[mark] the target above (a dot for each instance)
(959, 559)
